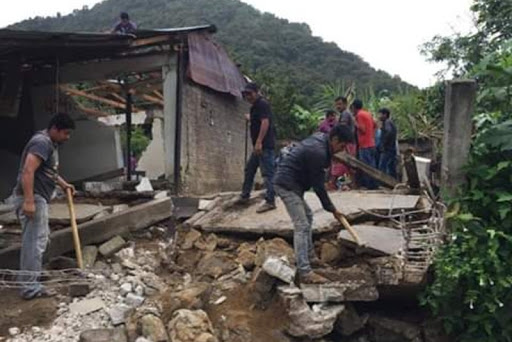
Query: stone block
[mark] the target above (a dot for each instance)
(112, 246)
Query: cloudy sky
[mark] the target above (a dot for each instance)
(387, 34)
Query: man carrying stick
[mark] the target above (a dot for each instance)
(37, 178)
(303, 167)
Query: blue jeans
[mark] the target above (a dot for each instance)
(302, 218)
(35, 237)
(387, 163)
(368, 156)
(267, 164)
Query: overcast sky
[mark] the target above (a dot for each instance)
(387, 34)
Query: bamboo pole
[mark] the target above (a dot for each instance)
(74, 229)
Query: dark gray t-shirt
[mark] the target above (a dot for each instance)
(45, 177)
(347, 119)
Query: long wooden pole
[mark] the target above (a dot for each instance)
(351, 230)
(74, 229)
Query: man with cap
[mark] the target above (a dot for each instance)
(263, 139)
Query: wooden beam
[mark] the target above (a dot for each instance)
(97, 231)
(93, 97)
(158, 94)
(150, 41)
(103, 70)
(370, 171)
(119, 97)
(153, 99)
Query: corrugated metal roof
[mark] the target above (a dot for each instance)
(41, 47)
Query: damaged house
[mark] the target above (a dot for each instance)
(181, 76)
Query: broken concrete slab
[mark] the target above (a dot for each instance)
(93, 232)
(112, 246)
(87, 306)
(185, 207)
(89, 255)
(119, 313)
(100, 187)
(59, 214)
(279, 268)
(103, 335)
(277, 222)
(339, 292)
(378, 240)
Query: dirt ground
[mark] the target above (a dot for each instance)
(20, 313)
(264, 325)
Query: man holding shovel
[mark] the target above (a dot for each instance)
(300, 168)
(37, 179)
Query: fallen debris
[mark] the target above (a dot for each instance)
(112, 246)
(191, 326)
(378, 240)
(87, 306)
(280, 269)
(245, 220)
(103, 335)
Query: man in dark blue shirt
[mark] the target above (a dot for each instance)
(263, 139)
(125, 25)
(387, 145)
(301, 168)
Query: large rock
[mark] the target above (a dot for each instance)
(191, 326)
(103, 335)
(349, 321)
(206, 243)
(190, 238)
(247, 255)
(392, 330)
(307, 322)
(112, 246)
(330, 252)
(194, 297)
(216, 264)
(278, 248)
(152, 328)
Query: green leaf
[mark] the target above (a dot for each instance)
(504, 197)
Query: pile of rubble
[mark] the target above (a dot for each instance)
(222, 285)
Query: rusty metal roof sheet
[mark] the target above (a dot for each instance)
(211, 66)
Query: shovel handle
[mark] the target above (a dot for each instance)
(74, 229)
(351, 230)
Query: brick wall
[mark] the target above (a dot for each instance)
(213, 141)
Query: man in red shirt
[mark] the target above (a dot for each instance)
(365, 131)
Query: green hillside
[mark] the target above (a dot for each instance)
(260, 42)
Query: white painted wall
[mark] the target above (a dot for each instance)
(152, 160)
(94, 148)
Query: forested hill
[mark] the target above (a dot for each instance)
(262, 43)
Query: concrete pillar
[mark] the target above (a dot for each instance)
(458, 113)
(170, 77)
